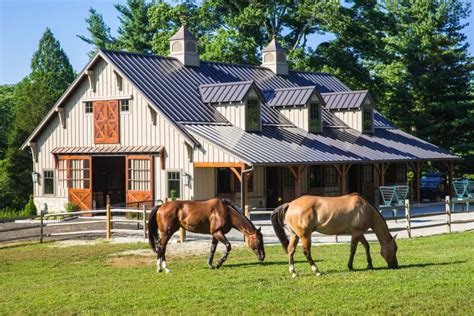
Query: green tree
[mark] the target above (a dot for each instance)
(51, 73)
(7, 102)
(135, 32)
(99, 32)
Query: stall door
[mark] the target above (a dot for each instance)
(106, 122)
(139, 180)
(77, 170)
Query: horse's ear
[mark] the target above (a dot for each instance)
(395, 237)
(259, 229)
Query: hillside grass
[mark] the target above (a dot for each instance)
(436, 277)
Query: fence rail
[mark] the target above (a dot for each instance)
(141, 220)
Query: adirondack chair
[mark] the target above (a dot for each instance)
(460, 190)
(401, 192)
(389, 198)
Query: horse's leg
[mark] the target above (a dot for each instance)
(163, 243)
(354, 241)
(291, 251)
(159, 254)
(306, 242)
(220, 237)
(213, 251)
(364, 242)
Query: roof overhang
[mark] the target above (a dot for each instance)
(107, 150)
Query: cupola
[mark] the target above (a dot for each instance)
(274, 58)
(183, 46)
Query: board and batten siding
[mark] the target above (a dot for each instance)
(353, 118)
(297, 115)
(234, 113)
(136, 129)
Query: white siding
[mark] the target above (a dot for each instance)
(352, 118)
(297, 115)
(234, 113)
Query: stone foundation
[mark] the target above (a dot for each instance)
(51, 204)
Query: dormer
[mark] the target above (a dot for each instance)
(274, 58)
(239, 102)
(355, 108)
(301, 105)
(183, 46)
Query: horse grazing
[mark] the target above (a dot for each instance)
(215, 217)
(344, 215)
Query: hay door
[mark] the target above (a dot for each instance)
(139, 179)
(106, 122)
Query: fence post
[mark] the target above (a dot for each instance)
(107, 222)
(337, 239)
(144, 221)
(448, 212)
(407, 215)
(182, 234)
(41, 225)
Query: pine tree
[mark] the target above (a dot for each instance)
(100, 36)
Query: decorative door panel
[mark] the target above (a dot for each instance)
(139, 179)
(75, 171)
(106, 122)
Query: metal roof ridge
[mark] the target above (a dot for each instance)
(345, 92)
(226, 83)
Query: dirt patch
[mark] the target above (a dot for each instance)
(130, 261)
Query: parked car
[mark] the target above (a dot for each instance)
(433, 186)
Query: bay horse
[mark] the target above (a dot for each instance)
(215, 217)
(344, 215)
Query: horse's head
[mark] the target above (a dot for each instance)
(389, 252)
(255, 242)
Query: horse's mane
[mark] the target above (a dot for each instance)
(233, 207)
(380, 215)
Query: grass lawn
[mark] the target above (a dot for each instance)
(436, 277)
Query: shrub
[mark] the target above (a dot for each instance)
(9, 213)
(71, 207)
(30, 208)
(173, 195)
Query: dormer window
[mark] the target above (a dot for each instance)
(367, 119)
(315, 123)
(253, 115)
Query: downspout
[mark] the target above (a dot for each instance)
(243, 174)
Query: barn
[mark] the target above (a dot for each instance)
(137, 127)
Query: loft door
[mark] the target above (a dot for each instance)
(76, 172)
(139, 179)
(106, 122)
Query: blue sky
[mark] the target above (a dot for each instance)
(22, 22)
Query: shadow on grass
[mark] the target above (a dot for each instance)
(409, 266)
(265, 263)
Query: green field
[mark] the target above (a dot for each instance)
(436, 277)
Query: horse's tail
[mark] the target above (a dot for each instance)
(278, 223)
(153, 228)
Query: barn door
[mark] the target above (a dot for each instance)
(106, 122)
(139, 180)
(77, 170)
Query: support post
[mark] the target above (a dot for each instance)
(450, 178)
(448, 212)
(144, 221)
(407, 215)
(41, 225)
(182, 234)
(107, 221)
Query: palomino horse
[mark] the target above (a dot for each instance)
(215, 217)
(348, 214)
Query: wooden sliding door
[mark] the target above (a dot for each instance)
(139, 179)
(76, 172)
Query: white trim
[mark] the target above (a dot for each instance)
(92, 80)
(62, 119)
(117, 97)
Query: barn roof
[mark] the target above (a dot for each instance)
(345, 100)
(289, 96)
(176, 92)
(225, 92)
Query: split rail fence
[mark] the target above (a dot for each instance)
(114, 215)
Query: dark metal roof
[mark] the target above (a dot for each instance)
(174, 88)
(225, 92)
(345, 100)
(108, 149)
(273, 46)
(289, 96)
(289, 145)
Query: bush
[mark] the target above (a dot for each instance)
(30, 208)
(9, 213)
(71, 207)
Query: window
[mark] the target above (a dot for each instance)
(315, 176)
(88, 107)
(124, 105)
(314, 117)
(288, 178)
(367, 120)
(253, 115)
(249, 183)
(79, 174)
(402, 173)
(48, 182)
(330, 175)
(367, 173)
(174, 184)
(139, 174)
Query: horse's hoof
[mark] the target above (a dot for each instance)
(167, 270)
(318, 274)
(211, 267)
(294, 275)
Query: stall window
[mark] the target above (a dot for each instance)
(288, 178)
(330, 175)
(174, 184)
(315, 176)
(367, 173)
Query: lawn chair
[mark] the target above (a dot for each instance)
(389, 198)
(401, 192)
(460, 190)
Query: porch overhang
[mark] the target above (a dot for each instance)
(108, 150)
